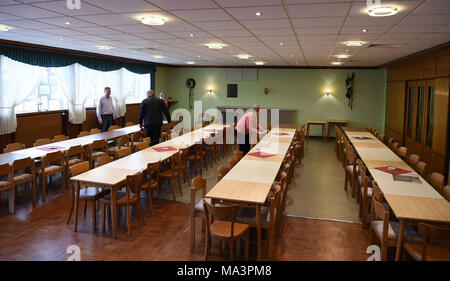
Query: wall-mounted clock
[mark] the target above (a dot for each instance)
(190, 83)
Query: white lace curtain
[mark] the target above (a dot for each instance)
(17, 82)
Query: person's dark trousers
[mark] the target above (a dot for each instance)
(107, 120)
(244, 143)
(154, 132)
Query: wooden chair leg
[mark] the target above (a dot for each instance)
(139, 212)
(43, 182)
(94, 216)
(247, 245)
(128, 220)
(207, 247)
(150, 201)
(232, 249)
(172, 182)
(12, 200)
(179, 183)
(85, 207)
(192, 232)
(103, 218)
(186, 176)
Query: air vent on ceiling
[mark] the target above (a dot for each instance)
(395, 46)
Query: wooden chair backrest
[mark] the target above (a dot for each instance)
(437, 180)
(421, 168)
(5, 169)
(390, 141)
(142, 145)
(446, 192)
(232, 161)
(84, 133)
(275, 202)
(43, 141)
(199, 184)
(57, 156)
(238, 154)
(382, 138)
(21, 164)
(95, 131)
(175, 161)
(13, 147)
(133, 183)
(223, 170)
(224, 212)
(377, 193)
(79, 168)
(436, 234)
(402, 151)
(102, 160)
(60, 138)
(380, 213)
(153, 170)
(122, 152)
(98, 145)
(413, 159)
(76, 150)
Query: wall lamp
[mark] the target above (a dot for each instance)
(210, 90)
(328, 92)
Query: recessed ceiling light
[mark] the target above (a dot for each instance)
(259, 62)
(365, 30)
(281, 44)
(336, 63)
(152, 20)
(67, 22)
(258, 14)
(192, 34)
(61, 38)
(4, 28)
(104, 47)
(382, 11)
(215, 45)
(190, 62)
(291, 55)
(198, 56)
(296, 62)
(243, 57)
(158, 57)
(354, 43)
(342, 56)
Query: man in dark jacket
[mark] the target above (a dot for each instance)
(150, 114)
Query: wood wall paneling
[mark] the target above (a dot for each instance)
(36, 126)
(443, 66)
(441, 107)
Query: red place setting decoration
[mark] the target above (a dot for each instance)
(261, 154)
(393, 170)
(164, 148)
(281, 134)
(362, 138)
(210, 130)
(51, 148)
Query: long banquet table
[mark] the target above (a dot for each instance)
(411, 202)
(113, 175)
(248, 183)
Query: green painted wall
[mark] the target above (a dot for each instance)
(300, 89)
(160, 80)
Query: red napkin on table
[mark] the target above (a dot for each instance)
(362, 138)
(261, 154)
(397, 171)
(281, 134)
(164, 148)
(51, 148)
(210, 130)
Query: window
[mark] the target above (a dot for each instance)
(430, 117)
(410, 111)
(419, 114)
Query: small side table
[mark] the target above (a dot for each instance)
(335, 122)
(321, 123)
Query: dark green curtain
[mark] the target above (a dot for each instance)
(45, 58)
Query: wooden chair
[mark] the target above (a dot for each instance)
(197, 208)
(223, 170)
(122, 152)
(173, 172)
(95, 131)
(96, 149)
(183, 164)
(13, 147)
(58, 138)
(434, 245)
(125, 199)
(402, 152)
(437, 181)
(122, 142)
(165, 132)
(51, 164)
(7, 184)
(137, 138)
(382, 138)
(83, 134)
(351, 171)
(196, 157)
(365, 192)
(386, 231)
(74, 155)
(225, 230)
(232, 161)
(152, 181)
(412, 160)
(103, 160)
(421, 168)
(209, 147)
(87, 194)
(40, 142)
(128, 124)
(390, 141)
(142, 145)
(238, 154)
(26, 172)
(446, 192)
(270, 216)
(113, 127)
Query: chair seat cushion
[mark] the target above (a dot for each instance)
(23, 177)
(168, 173)
(223, 228)
(98, 154)
(121, 198)
(369, 191)
(50, 169)
(74, 161)
(89, 193)
(4, 183)
(248, 215)
(433, 252)
(409, 235)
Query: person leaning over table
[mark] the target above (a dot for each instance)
(105, 110)
(150, 116)
(248, 127)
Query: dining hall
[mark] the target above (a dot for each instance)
(224, 130)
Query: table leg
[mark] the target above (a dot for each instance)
(113, 211)
(77, 203)
(401, 233)
(323, 133)
(328, 131)
(307, 132)
(258, 231)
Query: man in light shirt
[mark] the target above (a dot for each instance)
(105, 110)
